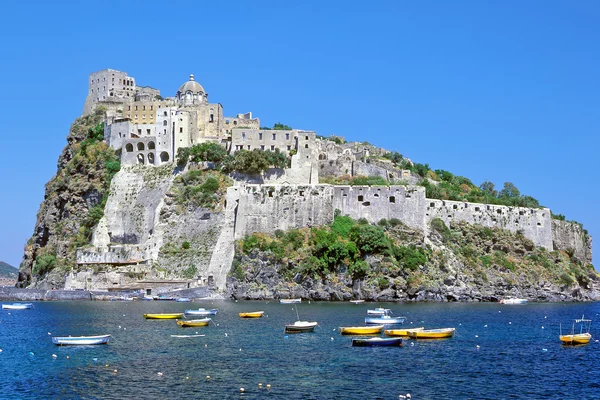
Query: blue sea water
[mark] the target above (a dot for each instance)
(519, 355)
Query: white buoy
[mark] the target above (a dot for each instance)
(159, 373)
(54, 356)
(114, 371)
(268, 386)
(68, 357)
(242, 390)
(225, 334)
(208, 377)
(412, 343)
(240, 349)
(332, 338)
(510, 323)
(542, 327)
(485, 326)
(476, 336)
(477, 346)
(206, 345)
(544, 349)
(49, 333)
(119, 326)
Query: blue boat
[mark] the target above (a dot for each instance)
(377, 341)
(201, 312)
(385, 320)
(80, 340)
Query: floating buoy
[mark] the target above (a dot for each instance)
(285, 337)
(333, 329)
(49, 333)
(477, 346)
(542, 327)
(68, 357)
(208, 377)
(268, 386)
(545, 317)
(544, 349)
(332, 338)
(159, 373)
(54, 356)
(187, 377)
(510, 323)
(124, 329)
(94, 359)
(412, 343)
(106, 365)
(114, 371)
(242, 390)
(225, 334)
(206, 345)
(240, 349)
(31, 353)
(259, 385)
(1, 349)
(485, 326)
(476, 335)
(119, 326)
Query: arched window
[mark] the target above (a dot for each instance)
(322, 156)
(165, 122)
(212, 116)
(164, 156)
(140, 158)
(129, 147)
(140, 146)
(150, 158)
(151, 146)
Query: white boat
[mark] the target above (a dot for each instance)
(379, 311)
(513, 301)
(290, 301)
(80, 340)
(183, 300)
(300, 326)
(356, 301)
(385, 320)
(17, 306)
(201, 312)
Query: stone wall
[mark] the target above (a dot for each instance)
(534, 223)
(572, 238)
(406, 203)
(263, 208)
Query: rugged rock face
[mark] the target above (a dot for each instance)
(573, 239)
(77, 187)
(464, 263)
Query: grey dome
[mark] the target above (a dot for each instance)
(191, 86)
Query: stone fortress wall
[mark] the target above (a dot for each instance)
(132, 231)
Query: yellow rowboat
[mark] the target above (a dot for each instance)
(361, 330)
(441, 333)
(401, 332)
(583, 337)
(164, 316)
(193, 322)
(253, 314)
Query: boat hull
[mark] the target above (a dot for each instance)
(255, 314)
(300, 328)
(290, 301)
(582, 338)
(193, 322)
(163, 316)
(432, 333)
(384, 321)
(401, 332)
(514, 301)
(377, 342)
(17, 306)
(80, 340)
(361, 330)
(201, 313)
(379, 311)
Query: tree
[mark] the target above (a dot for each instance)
(489, 188)
(281, 127)
(509, 191)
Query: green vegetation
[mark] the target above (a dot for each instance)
(198, 188)
(333, 138)
(359, 181)
(338, 248)
(212, 152)
(255, 161)
(278, 127)
(44, 264)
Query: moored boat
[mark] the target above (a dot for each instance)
(583, 337)
(193, 322)
(183, 300)
(440, 333)
(513, 301)
(300, 326)
(252, 314)
(164, 316)
(201, 312)
(356, 301)
(379, 311)
(80, 340)
(385, 320)
(401, 332)
(17, 306)
(377, 342)
(290, 301)
(361, 330)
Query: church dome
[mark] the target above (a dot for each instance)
(191, 86)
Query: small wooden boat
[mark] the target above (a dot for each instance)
(401, 332)
(80, 340)
(253, 314)
(361, 330)
(377, 341)
(385, 320)
(356, 301)
(193, 322)
(379, 311)
(201, 312)
(290, 301)
(583, 337)
(183, 300)
(17, 306)
(441, 333)
(513, 301)
(164, 316)
(300, 327)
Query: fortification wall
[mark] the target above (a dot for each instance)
(571, 237)
(263, 208)
(534, 223)
(406, 203)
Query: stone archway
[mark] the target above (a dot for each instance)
(141, 159)
(164, 157)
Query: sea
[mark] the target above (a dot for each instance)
(498, 352)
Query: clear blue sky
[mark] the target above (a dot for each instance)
(500, 91)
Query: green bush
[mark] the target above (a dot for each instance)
(369, 239)
(185, 245)
(190, 272)
(369, 181)
(44, 264)
(342, 225)
(410, 257)
(440, 227)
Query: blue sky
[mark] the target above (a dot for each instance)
(500, 91)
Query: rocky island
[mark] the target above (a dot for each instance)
(158, 194)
